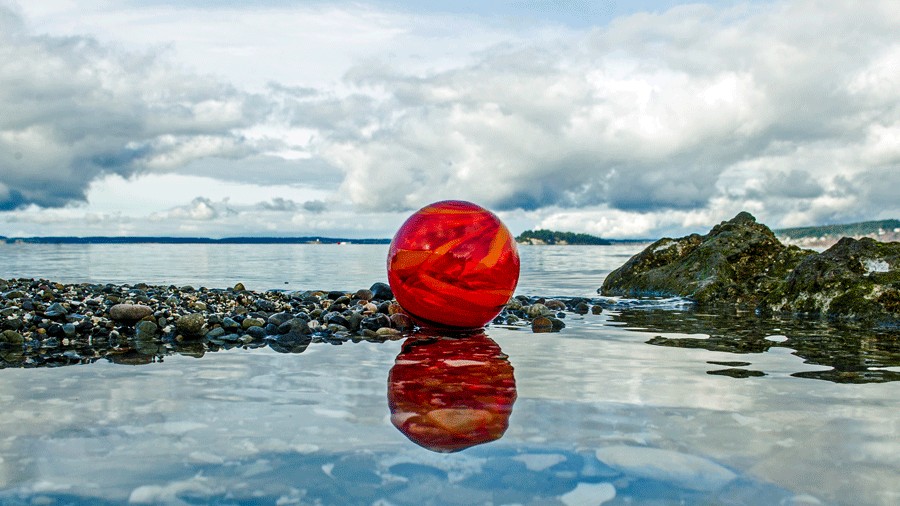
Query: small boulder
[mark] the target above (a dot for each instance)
(129, 312)
(11, 337)
(191, 324)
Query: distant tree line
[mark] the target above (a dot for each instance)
(189, 240)
(849, 229)
(554, 237)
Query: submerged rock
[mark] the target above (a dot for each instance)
(742, 262)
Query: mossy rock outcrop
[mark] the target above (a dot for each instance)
(854, 279)
(742, 262)
(737, 261)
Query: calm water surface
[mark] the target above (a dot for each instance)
(646, 403)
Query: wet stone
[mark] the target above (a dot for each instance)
(387, 332)
(10, 337)
(146, 329)
(252, 322)
(541, 324)
(215, 333)
(256, 332)
(191, 324)
(376, 322)
(129, 312)
(401, 322)
(296, 326)
(556, 324)
(55, 310)
(279, 318)
(266, 305)
(381, 291)
(55, 330)
(336, 319)
(555, 304)
(363, 294)
(536, 310)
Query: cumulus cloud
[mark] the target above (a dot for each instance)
(200, 209)
(654, 123)
(315, 206)
(688, 109)
(72, 109)
(279, 204)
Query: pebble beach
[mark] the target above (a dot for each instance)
(45, 323)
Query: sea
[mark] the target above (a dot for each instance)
(648, 402)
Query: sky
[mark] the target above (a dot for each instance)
(624, 119)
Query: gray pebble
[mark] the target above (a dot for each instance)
(129, 312)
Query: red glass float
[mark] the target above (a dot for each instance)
(447, 394)
(453, 264)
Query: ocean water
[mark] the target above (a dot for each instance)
(649, 402)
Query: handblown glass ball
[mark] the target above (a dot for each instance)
(453, 264)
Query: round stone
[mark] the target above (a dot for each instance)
(453, 264)
(191, 324)
(129, 312)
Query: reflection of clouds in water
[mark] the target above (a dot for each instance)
(255, 423)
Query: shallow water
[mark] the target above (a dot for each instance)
(647, 403)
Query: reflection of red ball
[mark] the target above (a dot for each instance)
(453, 264)
(449, 394)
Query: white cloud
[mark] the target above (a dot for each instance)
(73, 110)
(200, 209)
(654, 124)
(655, 113)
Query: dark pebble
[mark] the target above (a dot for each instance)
(541, 324)
(381, 291)
(55, 310)
(256, 332)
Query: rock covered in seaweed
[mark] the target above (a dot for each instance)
(737, 261)
(854, 279)
(742, 262)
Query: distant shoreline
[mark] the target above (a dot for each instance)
(237, 240)
(187, 240)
